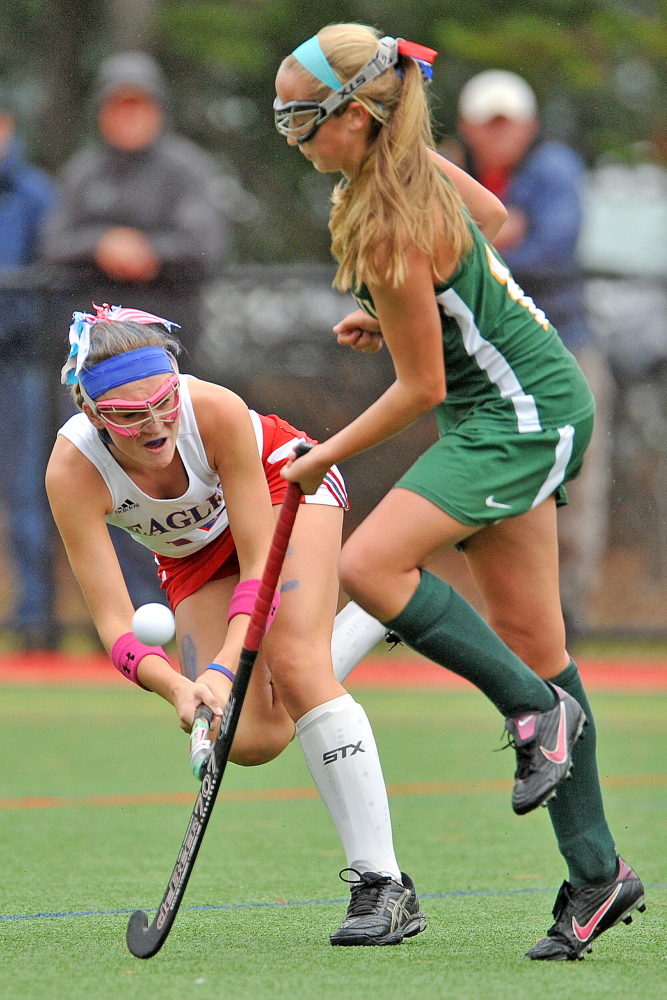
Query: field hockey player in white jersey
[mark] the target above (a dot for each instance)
(191, 473)
(413, 236)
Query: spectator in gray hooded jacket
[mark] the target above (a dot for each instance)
(138, 217)
(137, 224)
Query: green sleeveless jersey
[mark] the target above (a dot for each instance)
(501, 353)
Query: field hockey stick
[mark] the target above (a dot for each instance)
(142, 940)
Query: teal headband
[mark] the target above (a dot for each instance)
(312, 58)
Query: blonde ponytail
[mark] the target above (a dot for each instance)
(398, 197)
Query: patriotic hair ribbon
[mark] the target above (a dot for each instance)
(79, 334)
(422, 55)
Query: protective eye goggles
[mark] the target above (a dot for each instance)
(129, 417)
(300, 120)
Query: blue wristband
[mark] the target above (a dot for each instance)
(223, 670)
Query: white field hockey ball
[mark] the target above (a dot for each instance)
(154, 624)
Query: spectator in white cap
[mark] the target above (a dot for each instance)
(497, 92)
(498, 122)
(539, 181)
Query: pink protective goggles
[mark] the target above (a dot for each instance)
(129, 417)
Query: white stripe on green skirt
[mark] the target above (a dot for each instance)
(492, 362)
(557, 474)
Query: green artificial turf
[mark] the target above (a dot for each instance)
(98, 741)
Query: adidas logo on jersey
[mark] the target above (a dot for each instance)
(126, 506)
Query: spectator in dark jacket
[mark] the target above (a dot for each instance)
(26, 197)
(540, 183)
(138, 224)
(138, 216)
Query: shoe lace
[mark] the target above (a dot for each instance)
(365, 890)
(524, 762)
(393, 640)
(524, 756)
(509, 742)
(562, 899)
(557, 930)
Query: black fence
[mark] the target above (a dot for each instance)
(266, 333)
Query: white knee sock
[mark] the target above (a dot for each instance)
(339, 747)
(355, 634)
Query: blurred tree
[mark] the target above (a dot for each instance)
(598, 66)
(70, 23)
(604, 61)
(226, 56)
(41, 58)
(132, 24)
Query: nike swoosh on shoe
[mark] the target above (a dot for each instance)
(583, 933)
(559, 753)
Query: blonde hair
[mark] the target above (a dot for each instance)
(398, 196)
(111, 337)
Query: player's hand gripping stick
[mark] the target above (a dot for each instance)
(200, 745)
(143, 940)
(242, 602)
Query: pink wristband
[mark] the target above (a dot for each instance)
(126, 653)
(243, 601)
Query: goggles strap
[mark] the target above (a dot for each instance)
(385, 57)
(86, 398)
(389, 50)
(388, 54)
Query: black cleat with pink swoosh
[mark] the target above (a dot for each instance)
(583, 914)
(543, 742)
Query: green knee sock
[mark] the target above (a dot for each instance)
(577, 812)
(438, 623)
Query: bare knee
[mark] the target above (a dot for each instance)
(294, 662)
(303, 676)
(253, 746)
(356, 573)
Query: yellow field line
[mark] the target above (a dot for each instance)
(289, 794)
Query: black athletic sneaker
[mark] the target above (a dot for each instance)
(381, 911)
(583, 914)
(543, 742)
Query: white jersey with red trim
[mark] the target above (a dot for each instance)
(180, 526)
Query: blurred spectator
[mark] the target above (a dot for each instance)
(138, 224)
(138, 216)
(26, 197)
(540, 183)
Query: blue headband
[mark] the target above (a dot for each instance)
(122, 368)
(312, 58)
